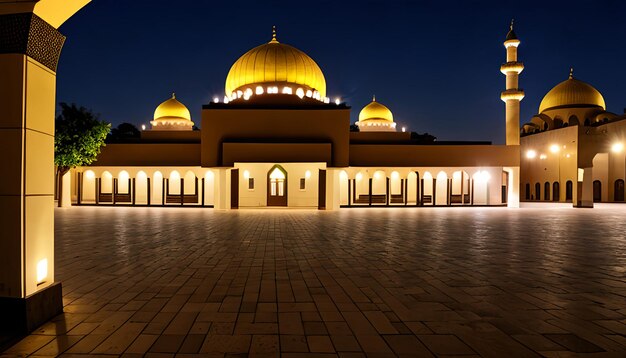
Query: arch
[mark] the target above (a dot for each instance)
(428, 189)
(459, 190)
(122, 182)
(173, 187)
(277, 186)
(88, 186)
(141, 188)
(209, 188)
(556, 191)
(379, 183)
(106, 182)
(190, 183)
(343, 188)
(546, 191)
(597, 191)
(441, 188)
(618, 190)
(157, 188)
(527, 193)
(557, 122)
(569, 190)
(395, 184)
(537, 191)
(361, 187)
(411, 185)
(573, 120)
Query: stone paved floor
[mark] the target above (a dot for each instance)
(363, 282)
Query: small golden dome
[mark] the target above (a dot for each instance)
(172, 115)
(375, 110)
(572, 93)
(172, 109)
(275, 63)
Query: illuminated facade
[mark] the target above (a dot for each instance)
(573, 150)
(276, 139)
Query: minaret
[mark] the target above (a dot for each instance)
(513, 94)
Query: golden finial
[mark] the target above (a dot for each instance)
(512, 21)
(274, 35)
(571, 73)
(374, 98)
(173, 95)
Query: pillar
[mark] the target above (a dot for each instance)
(29, 52)
(221, 187)
(583, 193)
(513, 187)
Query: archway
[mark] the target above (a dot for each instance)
(157, 188)
(537, 191)
(597, 191)
(141, 188)
(556, 191)
(441, 189)
(277, 186)
(568, 191)
(428, 192)
(88, 187)
(618, 190)
(546, 191)
(343, 188)
(209, 188)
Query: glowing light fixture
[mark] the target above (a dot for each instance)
(617, 147)
(543, 156)
(89, 174)
(226, 99)
(246, 174)
(309, 93)
(531, 154)
(42, 270)
(259, 90)
(395, 175)
(216, 100)
(143, 127)
(359, 176)
(300, 92)
(287, 90)
(337, 101)
(403, 129)
(554, 148)
(567, 156)
(307, 174)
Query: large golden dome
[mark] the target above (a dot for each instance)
(375, 110)
(275, 64)
(572, 93)
(172, 115)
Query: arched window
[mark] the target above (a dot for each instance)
(597, 191)
(568, 191)
(587, 121)
(555, 191)
(618, 193)
(573, 120)
(546, 191)
(537, 191)
(527, 191)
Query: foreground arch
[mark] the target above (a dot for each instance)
(29, 295)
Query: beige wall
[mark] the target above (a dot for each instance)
(149, 154)
(278, 152)
(274, 126)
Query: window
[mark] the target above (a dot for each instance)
(250, 183)
(527, 191)
(302, 183)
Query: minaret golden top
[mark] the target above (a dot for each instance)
(374, 98)
(512, 20)
(274, 41)
(173, 95)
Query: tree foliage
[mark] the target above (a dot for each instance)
(124, 132)
(78, 138)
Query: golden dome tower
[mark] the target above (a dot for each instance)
(513, 95)
(172, 115)
(275, 71)
(572, 93)
(376, 117)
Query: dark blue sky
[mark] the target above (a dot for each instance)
(435, 64)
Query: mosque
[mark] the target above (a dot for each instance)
(276, 139)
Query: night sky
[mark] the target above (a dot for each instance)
(435, 64)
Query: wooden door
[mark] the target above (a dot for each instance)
(277, 186)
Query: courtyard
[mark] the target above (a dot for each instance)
(358, 282)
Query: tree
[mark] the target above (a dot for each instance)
(123, 133)
(78, 137)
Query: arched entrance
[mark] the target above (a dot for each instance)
(277, 186)
(597, 191)
(618, 192)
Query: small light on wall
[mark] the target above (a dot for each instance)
(617, 147)
(143, 127)
(246, 174)
(337, 101)
(216, 100)
(554, 148)
(89, 174)
(395, 175)
(567, 156)
(403, 129)
(359, 176)
(543, 156)
(307, 174)
(531, 154)
(42, 270)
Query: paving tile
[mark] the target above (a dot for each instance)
(381, 282)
